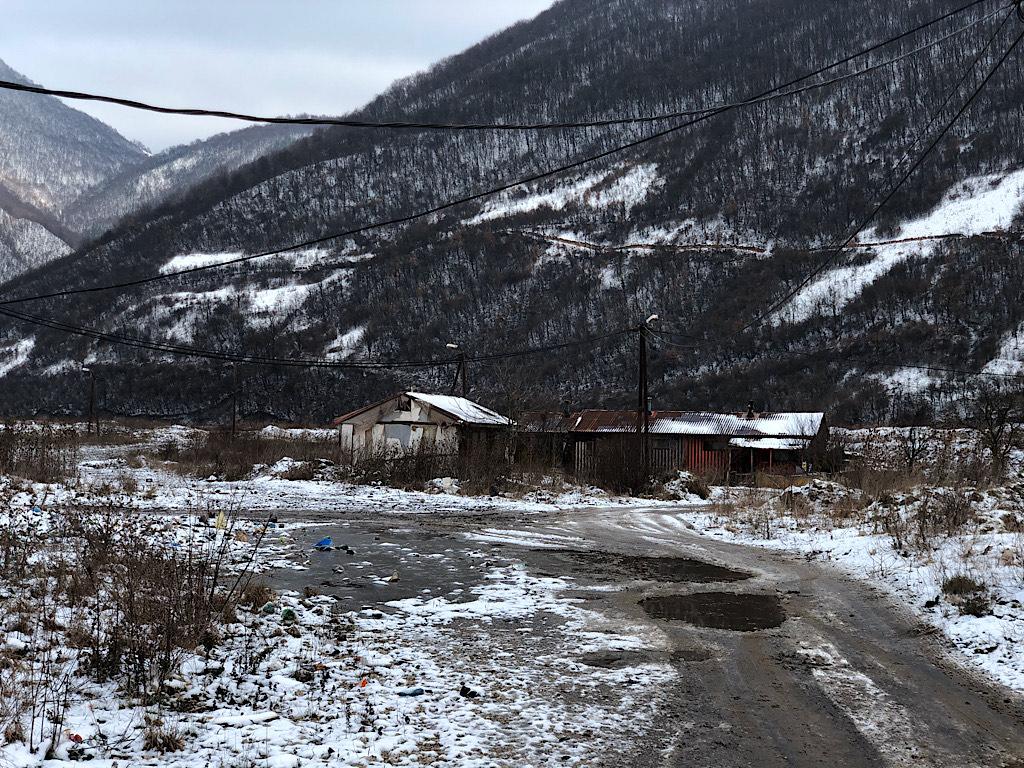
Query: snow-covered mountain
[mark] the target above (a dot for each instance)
(49, 155)
(707, 227)
(65, 176)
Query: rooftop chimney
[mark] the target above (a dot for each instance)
(750, 410)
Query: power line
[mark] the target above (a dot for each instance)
(394, 124)
(837, 250)
(777, 92)
(840, 248)
(201, 353)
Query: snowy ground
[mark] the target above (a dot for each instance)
(486, 676)
(319, 680)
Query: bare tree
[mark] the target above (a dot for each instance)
(914, 438)
(995, 409)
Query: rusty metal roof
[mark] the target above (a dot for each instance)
(546, 421)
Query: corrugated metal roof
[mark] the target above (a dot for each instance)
(462, 409)
(700, 423)
(769, 443)
(545, 421)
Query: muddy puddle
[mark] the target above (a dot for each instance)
(615, 659)
(719, 610)
(665, 569)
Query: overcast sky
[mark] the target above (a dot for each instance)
(258, 56)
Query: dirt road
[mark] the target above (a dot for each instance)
(782, 662)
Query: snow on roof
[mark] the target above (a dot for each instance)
(772, 443)
(702, 423)
(461, 409)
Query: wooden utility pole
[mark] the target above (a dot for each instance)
(460, 370)
(643, 421)
(92, 402)
(234, 399)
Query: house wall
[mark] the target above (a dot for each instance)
(391, 430)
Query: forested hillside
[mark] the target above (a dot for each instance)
(706, 227)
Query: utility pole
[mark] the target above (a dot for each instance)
(92, 401)
(460, 370)
(643, 422)
(234, 399)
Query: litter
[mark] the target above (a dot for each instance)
(222, 521)
(288, 616)
(468, 693)
(326, 544)
(412, 692)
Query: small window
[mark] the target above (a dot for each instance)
(402, 433)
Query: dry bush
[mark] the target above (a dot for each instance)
(41, 453)
(482, 467)
(128, 482)
(217, 454)
(256, 594)
(13, 701)
(970, 596)
(163, 739)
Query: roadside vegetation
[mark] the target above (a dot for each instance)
(97, 601)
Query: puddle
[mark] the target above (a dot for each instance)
(671, 569)
(614, 659)
(719, 610)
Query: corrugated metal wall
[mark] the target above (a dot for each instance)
(668, 454)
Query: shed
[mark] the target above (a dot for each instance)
(706, 443)
(415, 421)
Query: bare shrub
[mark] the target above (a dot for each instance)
(41, 453)
(970, 596)
(13, 702)
(129, 484)
(217, 454)
(895, 525)
(163, 738)
(487, 465)
(256, 594)
(114, 599)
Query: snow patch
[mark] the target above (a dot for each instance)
(629, 188)
(1009, 358)
(15, 355)
(973, 207)
(193, 260)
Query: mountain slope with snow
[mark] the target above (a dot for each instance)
(707, 226)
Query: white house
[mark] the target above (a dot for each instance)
(412, 421)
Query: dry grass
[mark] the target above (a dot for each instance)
(970, 596)
(163, 738)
